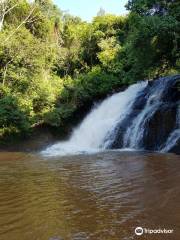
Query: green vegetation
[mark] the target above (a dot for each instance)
(52, 64)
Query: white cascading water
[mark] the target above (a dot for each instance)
(91, 134)
(134, 133)
(174, 136)
(171, 141)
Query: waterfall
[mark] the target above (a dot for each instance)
(134, 134)
(174, 137)
(144, 116)
(91, 133)
(156, 99)
(171, 141)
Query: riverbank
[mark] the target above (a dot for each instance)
(39, 139)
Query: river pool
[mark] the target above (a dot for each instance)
(102, 196)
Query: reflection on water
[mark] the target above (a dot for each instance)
(99, 197)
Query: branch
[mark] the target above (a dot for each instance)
(5, 72)
(32, 20)
(23, 22)
(5, 11)
(10, 9)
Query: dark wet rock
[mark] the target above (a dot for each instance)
(159, 126)
(155, 114)
(176, 147)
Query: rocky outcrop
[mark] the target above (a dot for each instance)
(153, 118)
(175, 148)
(159, 126)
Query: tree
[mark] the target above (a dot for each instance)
(109, 50)
(6, 6)
(152, 44)
(152, 7)
(101, 12)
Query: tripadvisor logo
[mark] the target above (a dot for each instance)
(139, 231)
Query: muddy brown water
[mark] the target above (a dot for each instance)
(102, 196)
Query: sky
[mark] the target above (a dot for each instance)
(87, 9)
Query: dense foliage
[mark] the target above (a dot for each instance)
(52, 64)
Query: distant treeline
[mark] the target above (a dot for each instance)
(52, 64)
